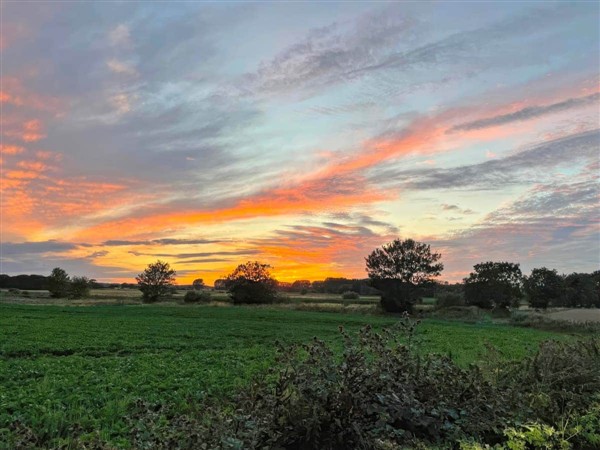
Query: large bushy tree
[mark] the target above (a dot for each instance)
(544, 287)
(251, 283)
(581, 291)
(494, 285)
(399, 268)
(59, 283)
(156, 281)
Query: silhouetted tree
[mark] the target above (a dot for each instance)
(58, 283)
(156, 281)
(544, 287)
(399, 268)
(198, 284)
(251, 283)
(220, 284)
(300, 285)
(494, 285)
(581, 291)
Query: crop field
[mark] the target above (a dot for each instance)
(85, 366)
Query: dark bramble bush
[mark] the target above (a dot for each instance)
(382, 393)
(350, 295)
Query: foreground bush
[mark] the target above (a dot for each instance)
(382, 393)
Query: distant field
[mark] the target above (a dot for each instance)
(61, 366)
(312, 301)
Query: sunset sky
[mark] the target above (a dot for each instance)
(303, 135)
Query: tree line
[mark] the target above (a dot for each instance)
(400, 272)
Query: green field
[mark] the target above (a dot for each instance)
(62, 366)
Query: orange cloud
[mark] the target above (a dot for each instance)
(11, 149)
(35, 166)
(310, 195)
(28, 131)
(14, 93)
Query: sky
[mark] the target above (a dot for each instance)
(303, 135)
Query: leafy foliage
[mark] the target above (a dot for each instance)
(59, 283)
(544, 287)
(251, 283)
(384, 393)
(397, 269)
(581, 291)
(408, 261)
(156, 281)
(80, 287)
(494, 285)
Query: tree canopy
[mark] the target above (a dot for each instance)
(59, 283)
(544, 287)
(399, 268)
(494, 285)
(251, 283)
(156, 281)
(406, 260)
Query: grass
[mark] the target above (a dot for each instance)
(61, 366)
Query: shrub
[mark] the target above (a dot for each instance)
(447, 299)
(350, 295)
(79, 287)
(197, 297)
(14, 291)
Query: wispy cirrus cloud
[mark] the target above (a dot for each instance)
(495, 173)
(529, 112)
